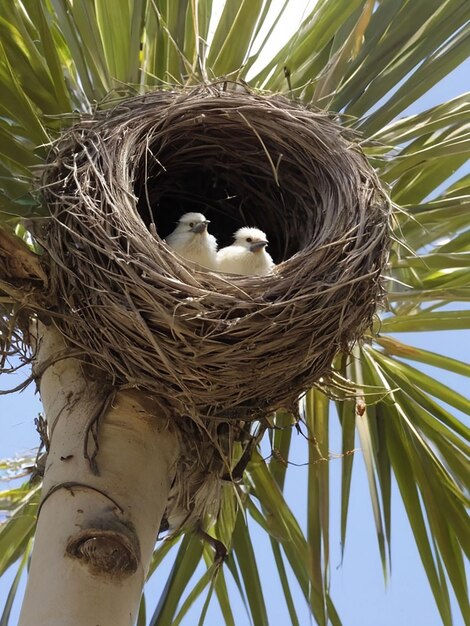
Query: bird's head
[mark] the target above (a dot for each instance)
(252, 239)
(192, 223)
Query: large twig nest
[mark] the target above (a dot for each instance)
(209, 344)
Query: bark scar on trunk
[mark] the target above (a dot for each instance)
(70, 486)
(111, 551)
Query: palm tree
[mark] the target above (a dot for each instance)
(368, 60)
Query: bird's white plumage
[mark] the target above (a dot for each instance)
(191, 240)
(247, 255)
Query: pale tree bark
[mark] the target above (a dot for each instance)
(97, 528)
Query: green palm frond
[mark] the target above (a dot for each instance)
(369, 61)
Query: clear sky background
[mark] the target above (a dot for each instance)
(357, 585)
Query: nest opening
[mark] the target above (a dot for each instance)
(228, 194)
(238, 174)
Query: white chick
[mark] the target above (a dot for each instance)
(191, 240)
(247, 254)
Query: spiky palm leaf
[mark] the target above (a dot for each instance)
(369, 60)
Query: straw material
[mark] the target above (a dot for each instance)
(213, 348)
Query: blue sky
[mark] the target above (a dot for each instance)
(357, 584)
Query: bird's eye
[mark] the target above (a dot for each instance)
(191, 224)
(249, 239)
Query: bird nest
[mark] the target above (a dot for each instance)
(212, 346)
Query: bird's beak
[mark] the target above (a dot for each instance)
(258, 245)
(201, 227)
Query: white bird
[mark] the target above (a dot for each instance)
(247, 254)
(191, 240)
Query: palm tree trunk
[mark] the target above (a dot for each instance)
(102, 501)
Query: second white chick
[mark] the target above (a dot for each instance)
(191, 240)
(247, 255)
